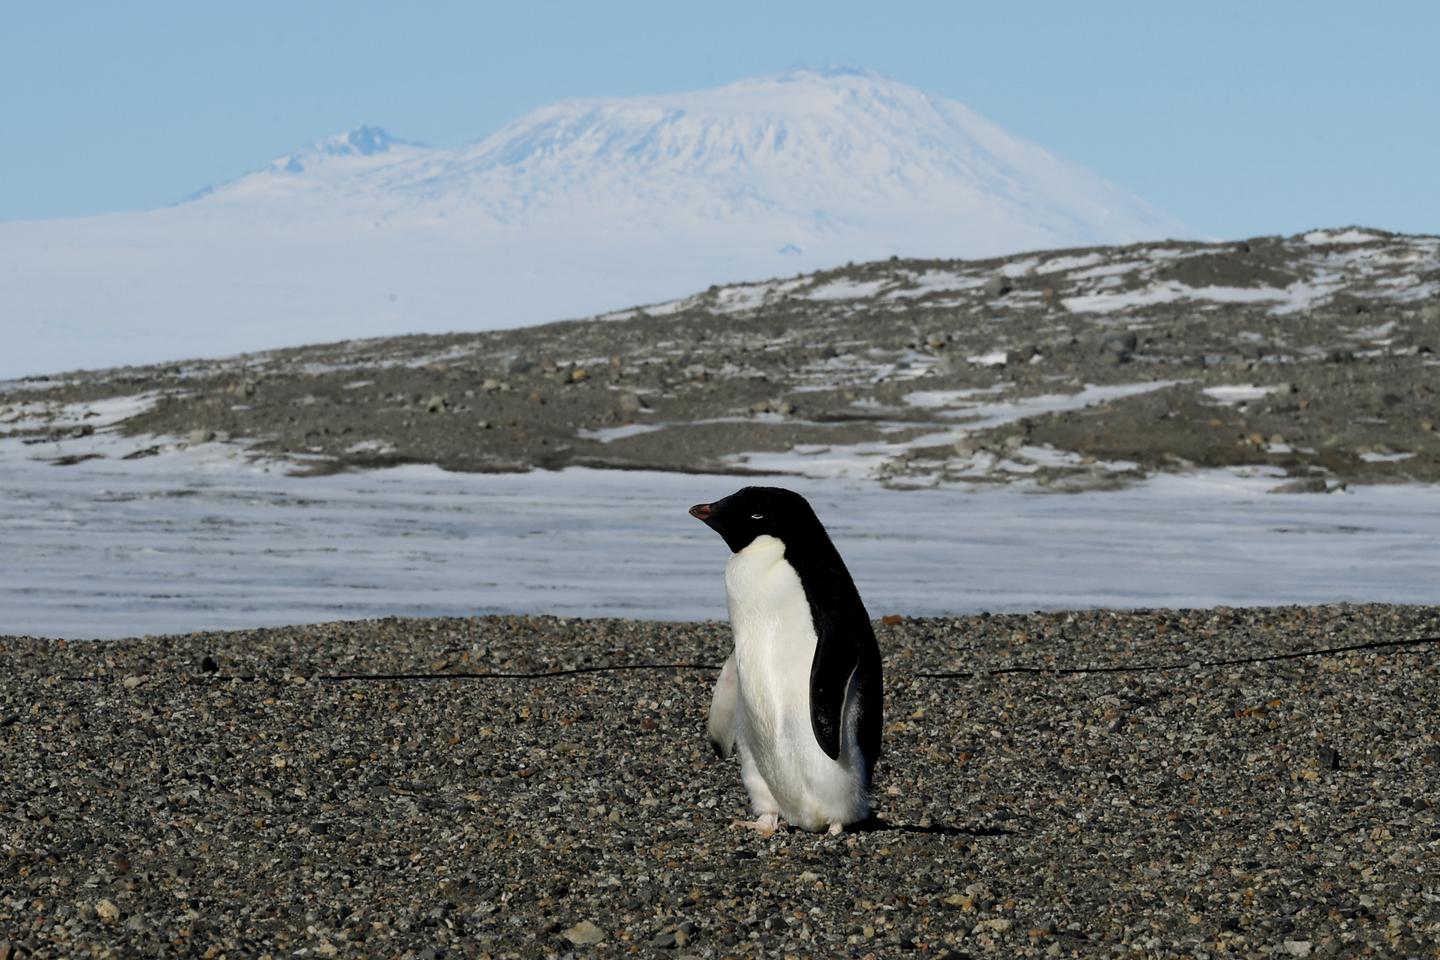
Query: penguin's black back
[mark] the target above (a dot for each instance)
(845, 647)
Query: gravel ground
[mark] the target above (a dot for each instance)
(224, 795)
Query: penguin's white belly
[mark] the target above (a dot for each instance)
(774, 649)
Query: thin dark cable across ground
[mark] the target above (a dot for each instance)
(933, 675)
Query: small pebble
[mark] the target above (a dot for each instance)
(584, 933)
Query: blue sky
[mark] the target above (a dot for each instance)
(1238, 118)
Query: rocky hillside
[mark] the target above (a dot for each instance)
(1310, 357)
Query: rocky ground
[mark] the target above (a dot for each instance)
(1310, 355)
(245, 795)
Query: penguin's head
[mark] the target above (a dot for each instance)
(758, 511)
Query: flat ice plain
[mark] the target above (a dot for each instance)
(203, 540)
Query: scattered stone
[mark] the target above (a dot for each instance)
(629, 403)
(106, 910)
(1328, 758)
(997, 286)
(199, 436)
(1298, 948)
(69, 460)
(780, 406)
(208, 664)
(579, 375)
(584, 933)
(1123, 342)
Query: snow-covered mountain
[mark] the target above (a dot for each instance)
(576, 208)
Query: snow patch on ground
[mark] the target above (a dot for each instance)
(610, 434)
(936, 281)
(1100, 302)
(1377, 332)
(1169, 292)
(1066, 264)
(948, 398)
(98, 414)
(1108, 270)
(1316, 237)
(846, 289)
(1238, 393)
(863, 461)
(987, 415)
(371, 446)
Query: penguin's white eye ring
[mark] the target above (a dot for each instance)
(757, 516)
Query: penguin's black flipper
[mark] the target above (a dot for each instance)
(847, 658)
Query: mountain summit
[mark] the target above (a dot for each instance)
(363, 141)
(843, 162)
(578, 207)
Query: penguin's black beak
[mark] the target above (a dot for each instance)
(702, 511)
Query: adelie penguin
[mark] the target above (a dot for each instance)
(801, 695)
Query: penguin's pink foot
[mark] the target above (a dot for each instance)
(766, 823)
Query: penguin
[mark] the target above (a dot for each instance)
(800, 697)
